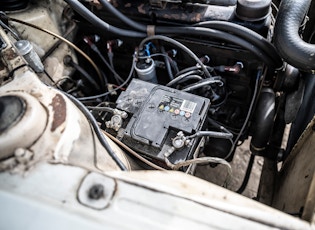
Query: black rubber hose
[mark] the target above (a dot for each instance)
(263, 120)
(290, 45)
(247, 174)
(251, 36)
(133, 24)
(98, 132)
(240, 31)
(93, 19)
(88, 15)
(247, 34)
(224, 36)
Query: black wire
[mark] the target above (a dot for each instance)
(85, 75)
(249, 113)
(191, 69)
(167, 63)
(216, 124)
(10, 75)
(15, 35)
(116, 75)
(52, 80)
(165, 55)
(203, 82)
(56, 44)
(98, 132)
(107, 93)
(247, 174)
(179, 45)
(153, 55)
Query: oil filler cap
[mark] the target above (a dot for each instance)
(253, 10)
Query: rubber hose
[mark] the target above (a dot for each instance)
(247, 34)
(263, 120)
(93, 19)
(247, 174)
(133, 24)
(275, 61)
(290, 45)
(216, 34)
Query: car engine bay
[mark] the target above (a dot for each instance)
(111, 85)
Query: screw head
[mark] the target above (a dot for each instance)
(96, 192)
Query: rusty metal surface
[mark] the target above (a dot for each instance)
(59, 111)
(10, 60)
(10, 54)
(187, 13)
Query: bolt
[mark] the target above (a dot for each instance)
(96, 192)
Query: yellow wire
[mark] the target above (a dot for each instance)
(64, 40)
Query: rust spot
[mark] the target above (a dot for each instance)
(10, 54)
(59, 111)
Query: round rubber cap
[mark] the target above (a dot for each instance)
(22, 121)
(12, 109)
(253, 10)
